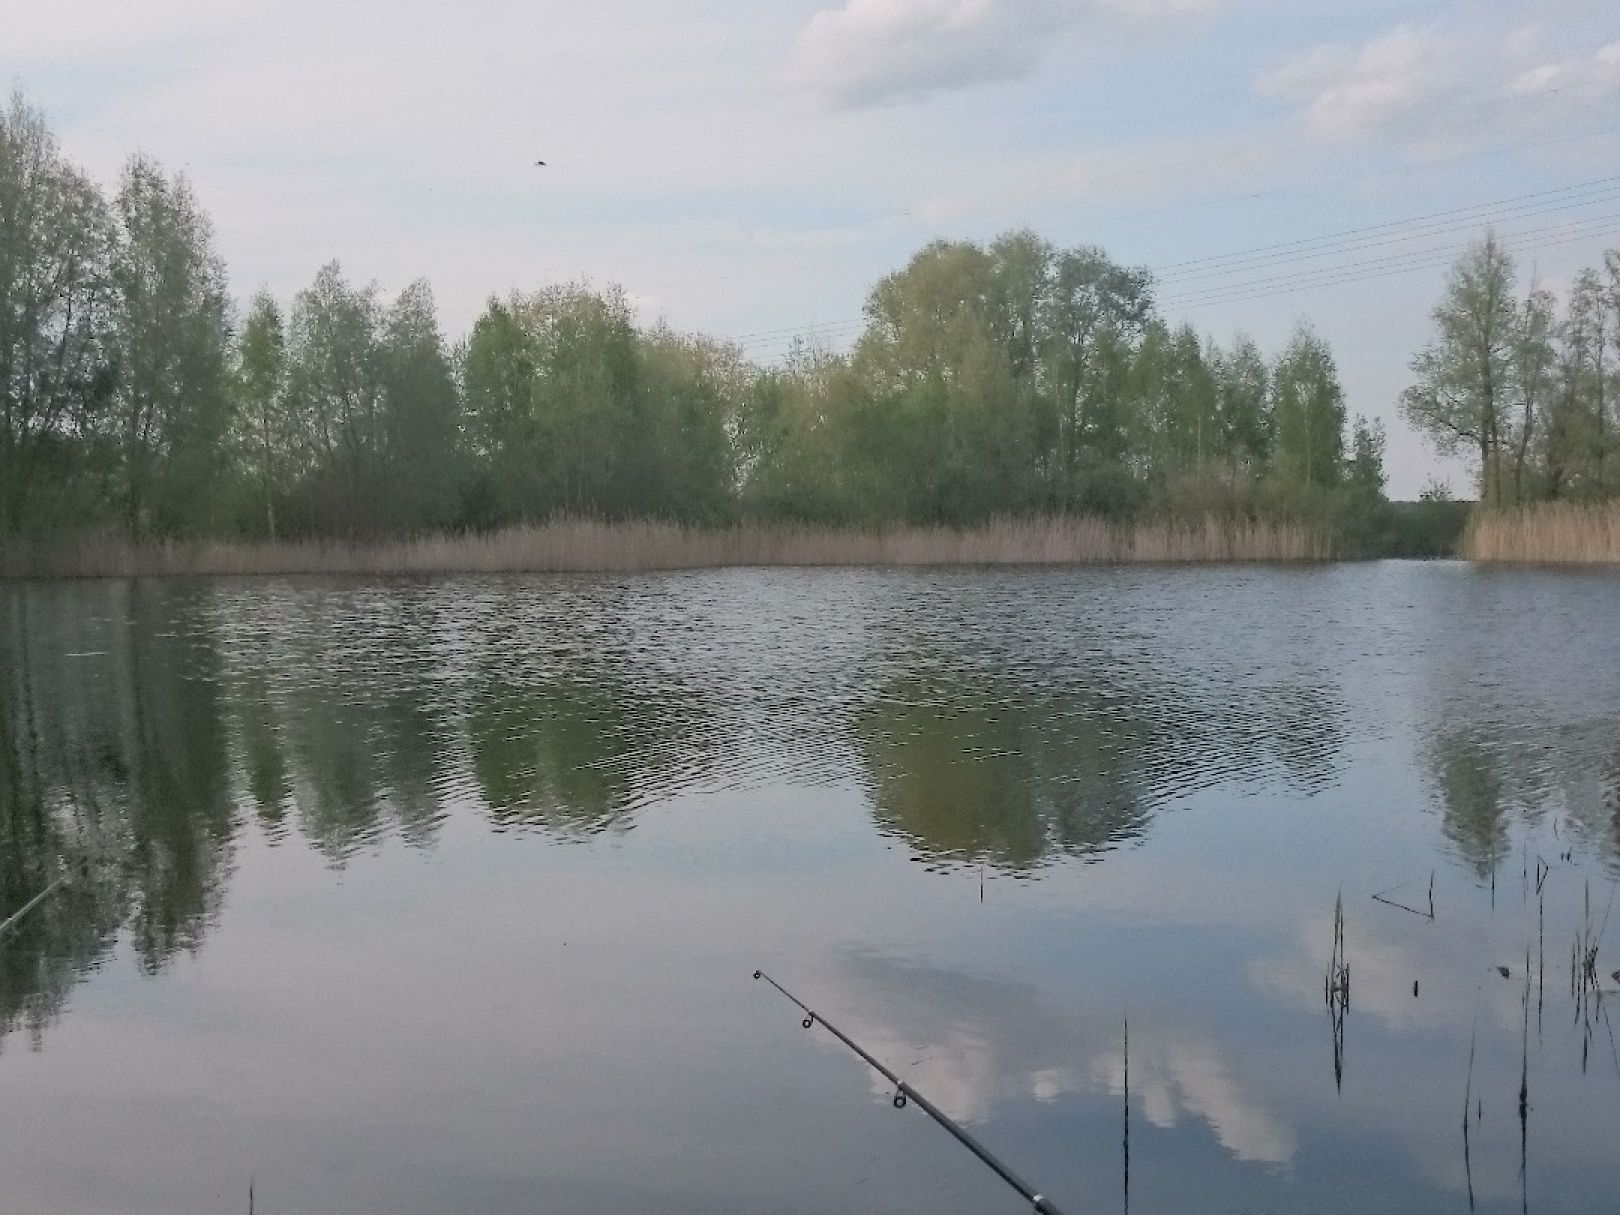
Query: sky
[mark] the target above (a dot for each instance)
(751, 169)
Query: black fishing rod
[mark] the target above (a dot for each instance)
(904, 1092)
(16, 916)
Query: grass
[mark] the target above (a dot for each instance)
(598, 546)
(1553, 532)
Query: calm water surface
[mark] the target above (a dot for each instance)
(426, 896)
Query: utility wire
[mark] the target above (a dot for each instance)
(1283, 254)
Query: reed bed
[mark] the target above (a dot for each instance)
(586, 545)
(1552, 532)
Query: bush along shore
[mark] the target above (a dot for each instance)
(586, 545)
(1557, 533)
(986, 382)
(1011, 379)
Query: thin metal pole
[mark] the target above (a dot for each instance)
(904, 1091)
(31, 904)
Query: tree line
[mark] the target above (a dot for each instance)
(1013, 377)
(1529, 391)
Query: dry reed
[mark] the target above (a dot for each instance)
(585, 545)
(1552, 532)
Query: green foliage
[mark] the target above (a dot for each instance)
(1533, 395)
(56, 247)
(1464, 375)
(335, 389)
(1308, 406)
(171, 407)
(264, 425)
(1007, 379)
(421, 408)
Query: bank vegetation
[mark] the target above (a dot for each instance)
(1576, 533)
(585, 545)
(1006, 401)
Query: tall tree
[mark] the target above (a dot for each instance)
(944, 438)
(693, 387)
(1592, 316)
(1243, 384)
(1534, 360)
(1463, 374)
(587, 399)
(1364, 471)
(497, 366)
(421, 415)
(1308, 405)
(335, 384)
(56, 242)
(171, 334)
(1096, 310)
(261, 376)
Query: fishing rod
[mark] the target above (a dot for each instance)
(31, 904)
(904, 1092)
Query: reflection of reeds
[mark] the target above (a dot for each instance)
(1552, 531)
(1384, 898)
(1524, 1094)
(1336, 990)
(1584, 983)
(1127, 1115)
(1468, 1101)
(582, 544)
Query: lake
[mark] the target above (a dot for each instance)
(446, 895)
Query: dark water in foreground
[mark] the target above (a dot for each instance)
(444, 896)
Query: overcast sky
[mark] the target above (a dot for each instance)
(751, 168)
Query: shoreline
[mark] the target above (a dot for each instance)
(577, 546)
(1546, 533)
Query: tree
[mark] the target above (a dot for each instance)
(1364, 472)
(334, 384)
(1096, 311)
(789, 425)
(587, 400)
(261, 376)
(420, 416)
(1242, 389)
(1463, 375)
(941, 437)
(497, 384)
(1592, 314)
(56, 242)
(171, 332)
(1533, 362)
(693, 388)
(1193, 404)
(1308, 405)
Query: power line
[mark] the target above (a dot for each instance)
(1246, 282)
(1376, 235)
(1136, 213)
(1354, 275)
(1281, 254)
(1068, 182)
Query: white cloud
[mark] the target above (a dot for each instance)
(1598, 72)
(1155, 9)
(1348, 91)
(1172, 1072)
(107, 28)
(871, 52)
(874, 51)
(1523, 42)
